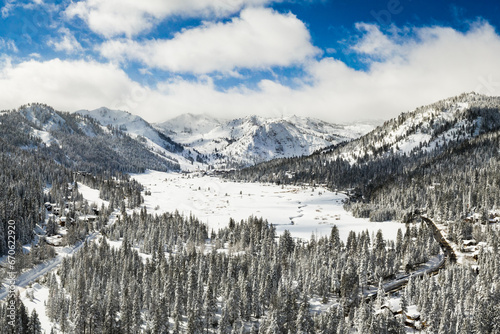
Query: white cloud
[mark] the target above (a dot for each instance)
(66, 43)
(130, 17)
(41, 7)
(374, 43)
(437, 63)
(66, 85)
(259, 38)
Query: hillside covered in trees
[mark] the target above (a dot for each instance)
(79, 142)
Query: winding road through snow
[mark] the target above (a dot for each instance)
(41, 269)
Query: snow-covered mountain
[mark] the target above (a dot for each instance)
(428, 128)
(253, 139)
(187, 125)
(195, 140)
(84, 143)
(139, 129)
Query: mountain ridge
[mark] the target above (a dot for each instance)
(78, 141)
(155, 140)
(253, 139)
(427, 127)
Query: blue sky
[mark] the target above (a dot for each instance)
(341, 61)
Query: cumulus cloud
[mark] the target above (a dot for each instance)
(435, 63)
(130, 17)
(66, 42)
(259, 38)
(374, 42)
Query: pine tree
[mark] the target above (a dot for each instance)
(380, 295)
(403, 303)
(273, 326)
(304, 323)
(136, 312)
(209, 306)
(126, 310)
(22, 318)
(34, 325)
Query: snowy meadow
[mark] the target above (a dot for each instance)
(303, 210)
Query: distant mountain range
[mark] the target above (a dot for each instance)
(101, 139)
(250, 140)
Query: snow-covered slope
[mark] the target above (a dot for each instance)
(43, 117)
(249, 140)
(44, 120)
(428, 128)
(83, 143)
(141, 130)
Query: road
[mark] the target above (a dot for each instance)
(447, 249)
(449, 254)
(39, 270)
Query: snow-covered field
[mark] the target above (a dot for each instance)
(36, 297)
(214, 201)
(91, 195)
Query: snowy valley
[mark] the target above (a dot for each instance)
(127, 227)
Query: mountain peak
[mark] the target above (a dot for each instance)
(42, 116)
(189, 123)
